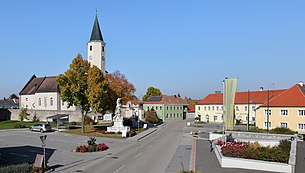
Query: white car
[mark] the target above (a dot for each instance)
(41, 127)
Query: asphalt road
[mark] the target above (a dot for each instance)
(300, 158)
(150, 155)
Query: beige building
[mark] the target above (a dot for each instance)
(210, 109)
(284, 110)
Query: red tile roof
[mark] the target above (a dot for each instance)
(191, 108)
(168, 100)
(41, 84)
(257, 97)
(294, 96)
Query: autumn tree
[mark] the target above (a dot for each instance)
(151, 91)
(119, 87)
(83, 86)
(97, 90)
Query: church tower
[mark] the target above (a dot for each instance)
(97, 47)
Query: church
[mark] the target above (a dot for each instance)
(42, 93)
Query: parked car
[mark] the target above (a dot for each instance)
(41, 127)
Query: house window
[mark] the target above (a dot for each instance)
(156, 107)
(212, 108)
(284, 125)
(236, 108)
(160, 107)
(90, 47)
(209, 108)
(174, 107)
(147, 108)
(246, 108)
(170, 115)
(267, 124)
(221, 107)
(174, 115)
(166, 107)
(26, 99)
(171, 107)
(166, 115)
(301, 112)
(267, 111)
(216, 107)
(205, 108)
(39, 102)
(51, 101)
(284, 112)
(253, 108)
(198, 108)
(62, 103)
(301, 126)
(103, 48)
(253, 119)
(215, 118)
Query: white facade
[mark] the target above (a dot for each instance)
(44, 101)
(97, 54)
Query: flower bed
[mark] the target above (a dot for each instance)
(255, 151)
(91, 147)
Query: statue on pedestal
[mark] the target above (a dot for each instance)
(118, 111)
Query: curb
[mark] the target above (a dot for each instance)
(146, 134)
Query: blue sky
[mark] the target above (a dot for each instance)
(178, 46)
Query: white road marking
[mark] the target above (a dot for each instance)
(138, 155)
(19, 155)
(119, 169)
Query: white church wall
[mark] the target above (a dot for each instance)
(46, 101)
(27, 101)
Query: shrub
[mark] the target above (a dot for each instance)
(256, 130)
(102, 147)
(255, 151)
(20, 168)
(35, 118)
(23, 114)
(19, 125)
(82, 149)
(88, 120)
(285, 145)
(282, 130)
(73, 123)
(91, 141)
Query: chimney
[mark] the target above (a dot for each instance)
(301, 83)
(261, 88)
(217, 92)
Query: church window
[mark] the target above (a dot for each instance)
(90, 47)
(103, 49)
(26, 99)
(51, 101)
(39, 102)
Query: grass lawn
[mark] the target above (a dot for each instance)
(11, 124)
(99, 131)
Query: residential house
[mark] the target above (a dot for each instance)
(284, 110)
(167, 107)
(210, 109)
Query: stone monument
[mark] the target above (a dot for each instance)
(118, 121)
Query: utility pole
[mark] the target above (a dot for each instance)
(268, 110)
(248, 125)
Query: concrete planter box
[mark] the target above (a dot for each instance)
(214, 136)
(230, 162)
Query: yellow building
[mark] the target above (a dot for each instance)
(210, 109)
(284, 110)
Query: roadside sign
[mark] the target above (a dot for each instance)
(38, 160)
(43, 138)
